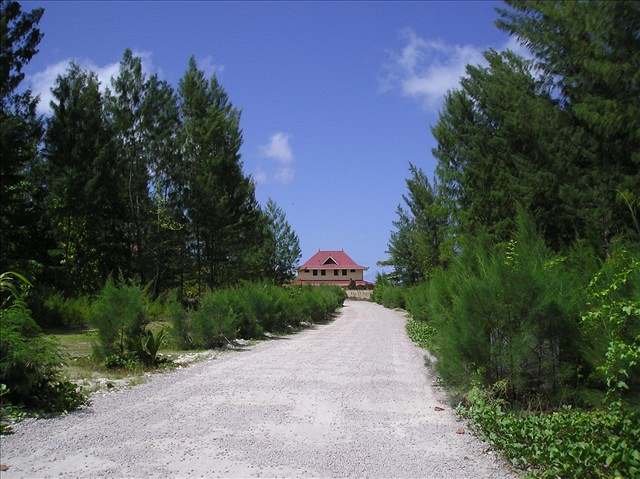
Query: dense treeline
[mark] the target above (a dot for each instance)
(520, 261)
(123, 195)
(134, 179)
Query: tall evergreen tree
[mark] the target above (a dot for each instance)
(420, 240)
(126, 109)
(219, 199)
(22, 235)
(286, 250)
(503, 142)
(589, 54)
(84, 183)
(165, 248)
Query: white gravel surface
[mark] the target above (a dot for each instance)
(351, 398)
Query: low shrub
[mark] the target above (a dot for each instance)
(389, 296)
(121, 361)
(68, 312)
(510, 313)
(246, 311)
(611, 324)
(417, 301)
(180, 322)
(119, 316)
(30, 363)
(568, 443)
(421, 333)
(50, 309)
(214, 323)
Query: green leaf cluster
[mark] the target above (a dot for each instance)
(567, 443)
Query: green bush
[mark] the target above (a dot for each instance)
(180, 322)
(611, 324)
(29, 363)
(149, 345)
(417, 301)
(51, 309)
(510, 314)
(567, 443)
(119, 316)
(125, 361)
(421, 333)
(246, 311)
(214, 322)
(68, 312)
(389, 296)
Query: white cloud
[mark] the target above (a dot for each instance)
(260, 176)
(42, 81)
(427, 69)
(285, 175)
(279, 149)
(209, 68)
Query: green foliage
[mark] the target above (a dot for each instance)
(66, 312)
(417, 301)
(118, 314)
(419, 243)
(250, 309)
(421, 333)
(149, 345)
(612, 321)
(138, 179)
(286, 251)
(567, 443)
(121, 361)
(180, 322)
(29, 363)
(214, 323)
(23, 235)
(509, 314)
(226, 224)
(388, 295)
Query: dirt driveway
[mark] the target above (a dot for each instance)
(346, 399)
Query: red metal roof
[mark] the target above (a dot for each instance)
(342, 261)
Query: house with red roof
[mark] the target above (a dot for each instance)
(331, 268)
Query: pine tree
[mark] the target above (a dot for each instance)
(220, 202)
(503, 141)
(589, 55)
(419, 243)
(84, 183)
(125, 106)
(22, 233)
(286, 250)
(166, 242)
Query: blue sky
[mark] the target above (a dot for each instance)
(336, 98)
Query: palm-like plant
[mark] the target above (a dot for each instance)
(149, 345)
(12, 287)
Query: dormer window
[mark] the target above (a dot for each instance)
(330, 260)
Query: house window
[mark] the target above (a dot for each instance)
(335, 272)
(344, 272)
(315, 272)
(306, 270)
(353, 270)
(323, 272)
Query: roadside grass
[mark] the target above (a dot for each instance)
(81, 367)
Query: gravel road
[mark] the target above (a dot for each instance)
(351, 398)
